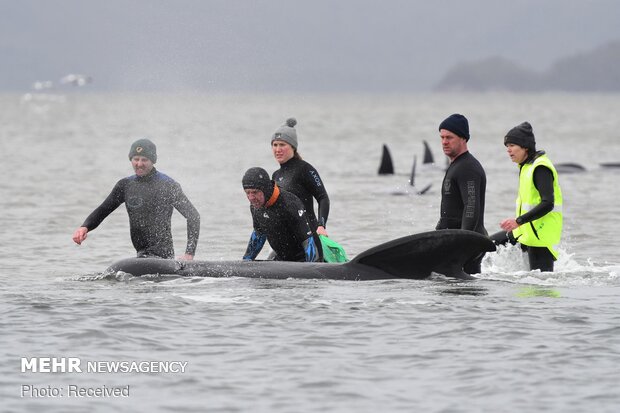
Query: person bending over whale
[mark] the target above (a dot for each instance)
(464, 185)
(279, 217)
(298, 176)
(149, 197)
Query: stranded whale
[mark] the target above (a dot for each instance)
(411, 257)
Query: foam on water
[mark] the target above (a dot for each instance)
(510, 263)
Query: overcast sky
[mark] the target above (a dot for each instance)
(286, 45)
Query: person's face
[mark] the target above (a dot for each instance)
(452, 144)
(518, 154)
(256, 197)
(282, 151)
(141, 165)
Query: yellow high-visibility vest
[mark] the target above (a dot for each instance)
(545, 231)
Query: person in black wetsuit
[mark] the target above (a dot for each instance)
(537, 225)
(279, 217)
(464, 185)
(298, 176)
(149, 197)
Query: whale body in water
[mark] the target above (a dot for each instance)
(412, 257)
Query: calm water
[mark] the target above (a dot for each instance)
(512, 341)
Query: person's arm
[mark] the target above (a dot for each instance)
(470, 188)
(315, 185)
(299, 224)
(113, 201)
(543, 181)
(187, 209)
(255, 245)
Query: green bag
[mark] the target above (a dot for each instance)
(332, 251)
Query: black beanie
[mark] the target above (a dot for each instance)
(258, 178)
(522, 135)
(456, 124)
(143, 147)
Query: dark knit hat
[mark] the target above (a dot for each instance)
(456, 124)
(258, 178)
(287, 133)
(522, 135)
(143, 147)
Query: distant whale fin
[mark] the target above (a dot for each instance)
(417, 256)
(425, 189)
(386, 167)
(412, 177)
(569, 167)
(428, 155)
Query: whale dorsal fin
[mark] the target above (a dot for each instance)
(386, 167)
(417, 256)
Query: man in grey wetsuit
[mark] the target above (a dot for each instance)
(149, 197)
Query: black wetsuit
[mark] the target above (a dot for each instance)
(300, 178)
(539, 257)
(149, 201)
(462, 200)
(285, 225)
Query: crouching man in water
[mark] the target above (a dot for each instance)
(149, 197)
(278, 217)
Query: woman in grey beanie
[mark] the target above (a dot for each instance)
(298, 176)
(537, 223)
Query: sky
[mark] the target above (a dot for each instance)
(287, 45)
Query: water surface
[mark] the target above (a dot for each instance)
(512, 341)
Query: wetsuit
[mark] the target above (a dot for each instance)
(300, 178)
(285, 225)
(149, 201)
(539, 257)
(462, 200)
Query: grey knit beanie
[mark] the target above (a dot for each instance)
(287, 133)
(143, 147)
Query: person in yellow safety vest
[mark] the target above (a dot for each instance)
(538, 223)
